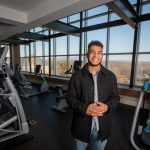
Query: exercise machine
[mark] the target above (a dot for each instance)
(143, 132)
(6, 68)
(12, 117)
(21, 82)
(43, 86)
(61, 100)
(26, 88)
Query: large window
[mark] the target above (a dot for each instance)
(39, 55)
(143, 54)
(120, 52)
(65, 50)
(57, 54)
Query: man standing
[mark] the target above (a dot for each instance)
(92, 94)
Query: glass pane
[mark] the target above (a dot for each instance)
(39, 60)
(120, 65)
(97, 10)
(61, 45)
(46, 65)
(46, 33)
(26, 50)
(63, 20)
(77, 24)
(144, 37)
(32, 46)
(97, 20)
(74, 45)
(83, 42)
(39, 48)
(61, 65)
(46, 48)
(121, 39)
(146, 9)
(132, 2)
(32, 30)
(52, 65)
(100, 35)
(114, 17)
(38, 29)
(32, 64)
(25, 64)
(22, 51)
(71, 62)
(143, 69)
(74, 17)
(52, 46)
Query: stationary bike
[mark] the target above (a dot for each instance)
(62, 104)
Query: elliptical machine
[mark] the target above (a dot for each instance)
(62, 104)
(12, 117)
(143, 132)
(26, 88)
(21, 83)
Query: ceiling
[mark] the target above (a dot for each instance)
(17, 16)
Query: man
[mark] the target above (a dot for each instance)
(92, 94)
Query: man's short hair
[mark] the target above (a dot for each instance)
(97, 43)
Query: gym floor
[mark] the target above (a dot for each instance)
(52, 130)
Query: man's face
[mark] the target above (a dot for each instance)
(95, 55)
